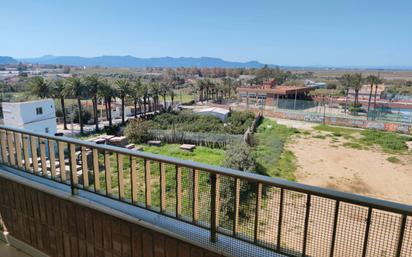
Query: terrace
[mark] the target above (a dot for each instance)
(152, 205)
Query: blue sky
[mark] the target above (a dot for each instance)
(288, 32)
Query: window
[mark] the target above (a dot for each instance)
(39, 110)
(46, 130)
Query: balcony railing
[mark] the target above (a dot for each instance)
(281, 216)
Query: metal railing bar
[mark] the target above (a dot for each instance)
(306, 226)
(195, 193)
(279, 237)
(258, 206)
(401, 236)
(368, 225)
(334, 229)
(276, 182)
(213, 207)
(236, 206)
(178, 191)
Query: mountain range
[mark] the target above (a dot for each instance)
(135, 62)
(7, 60)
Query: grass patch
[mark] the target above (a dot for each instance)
(353, 145)
(389, 142)
(336, 130)
(199, 154)
(393, 159)
(272, 159)
(319, 136)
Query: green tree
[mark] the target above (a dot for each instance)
(123, 90)
(92, 84)
(373, 81)
(107, 92)
(137, 131)
(241, 157)
(39, 87)
(75, 88)
(136, 94)
(58, 92)
(356, 84)
(346, 84)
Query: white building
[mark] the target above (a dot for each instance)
(37, 116)
(220, 113)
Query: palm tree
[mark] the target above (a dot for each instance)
(378, 81)
(136, 93)
(108, 92)
(123, 89)
(58, 92)
(75, 88)
(373, 81)
(346, 81)
(163, 90)
(356, 84)
(92, 84)
(38, 86)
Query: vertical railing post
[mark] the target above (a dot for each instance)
(213, 207)
(368, 225)
(306, 228)
(335, 226)
(282, 196)
(401, 236)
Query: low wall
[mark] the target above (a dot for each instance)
(338, 121)
(62, 228)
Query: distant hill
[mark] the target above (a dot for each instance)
(7, 60)
(135, 62)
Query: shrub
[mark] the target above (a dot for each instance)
(137, 131)
(86, 115)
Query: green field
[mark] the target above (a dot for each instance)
(200, 154)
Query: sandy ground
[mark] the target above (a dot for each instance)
(324, 163)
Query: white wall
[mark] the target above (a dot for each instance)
(23, 115)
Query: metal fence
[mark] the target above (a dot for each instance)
(331, 109)
(197, 138)
(257, 211)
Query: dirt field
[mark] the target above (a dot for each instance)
(325, 162)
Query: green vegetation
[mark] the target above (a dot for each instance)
(271, 158)
(137, 131)
(393, 159)
(186, 120)
(199, 154)
(387, 141)
(333, 129)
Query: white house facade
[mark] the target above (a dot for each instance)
(37, 116)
